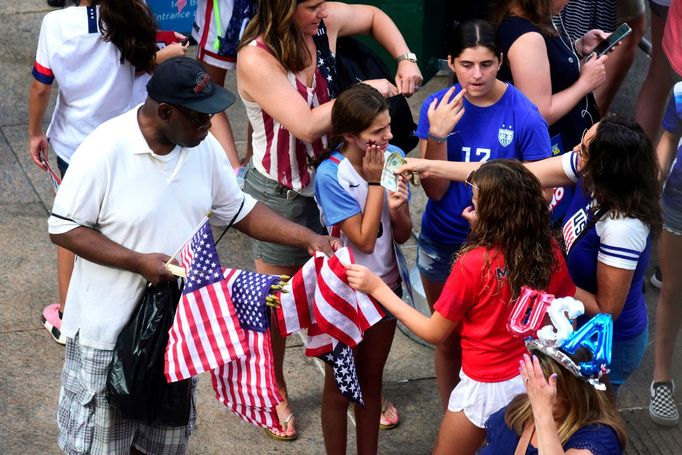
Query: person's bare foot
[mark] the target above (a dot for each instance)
(286, 420)
(389, 415)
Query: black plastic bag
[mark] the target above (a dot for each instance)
(136, 384)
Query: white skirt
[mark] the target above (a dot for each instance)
(479, 400)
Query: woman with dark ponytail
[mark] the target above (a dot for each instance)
(94, 51)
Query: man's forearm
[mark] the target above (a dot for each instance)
(95, 247)
(262, 223)
(91, 245)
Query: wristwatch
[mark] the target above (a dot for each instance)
(410, 56)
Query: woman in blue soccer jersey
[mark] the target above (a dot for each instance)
(608, 227)
(478, 119)
(369, 219)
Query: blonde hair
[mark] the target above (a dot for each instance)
(586, 405)
(274, 22)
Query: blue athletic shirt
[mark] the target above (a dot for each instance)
(510, 128)
(672, 123)
(341, 193)
(502, 440)
(624, 243)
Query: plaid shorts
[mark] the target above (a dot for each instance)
(89, 425)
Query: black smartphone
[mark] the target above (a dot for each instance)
(185, 41)
(614, 38)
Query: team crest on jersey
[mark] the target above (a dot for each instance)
(573, 227)
(505, 136)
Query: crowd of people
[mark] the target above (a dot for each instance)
(531, 184)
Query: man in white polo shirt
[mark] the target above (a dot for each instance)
(136, 189)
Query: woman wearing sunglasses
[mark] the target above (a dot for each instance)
(608, 227)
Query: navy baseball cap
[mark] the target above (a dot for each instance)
(183, 81)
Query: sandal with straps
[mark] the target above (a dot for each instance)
(285, 427)
(386, 422)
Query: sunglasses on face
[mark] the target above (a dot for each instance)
(470, 180)
(582, 153)
(197, 118)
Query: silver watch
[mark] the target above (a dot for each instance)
(410, 56)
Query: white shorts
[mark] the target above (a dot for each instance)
(479, 400)
(205, 31)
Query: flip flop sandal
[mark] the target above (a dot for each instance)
(285, 426)
(389, 423)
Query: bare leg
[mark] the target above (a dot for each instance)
(65, 260)
(278, 347)
(370, 358)
(619, 64)
(458, 436)
(220, 126)
(448, 355)
(669, 308)
(333, 416)
(651, 101)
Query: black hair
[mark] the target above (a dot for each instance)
(473, 34)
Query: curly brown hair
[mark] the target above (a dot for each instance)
(131, 27)
(512, 218)
(621, 172)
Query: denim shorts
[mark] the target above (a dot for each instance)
(626, 356)
(672, 219)
(290, 205)
(434, 260)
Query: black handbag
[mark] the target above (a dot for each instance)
(354, 62)
(136, 384)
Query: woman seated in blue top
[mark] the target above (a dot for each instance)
(608, 227)
(560, 413)
(478, 119)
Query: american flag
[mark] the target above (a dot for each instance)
(55, 181)
(247, 385)
(320, 294)
(205, 333)
(342, 362)
(336, 316)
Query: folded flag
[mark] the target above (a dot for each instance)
(205, 333)
(247, 385)
(342, 362)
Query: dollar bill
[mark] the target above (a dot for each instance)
(388, 178)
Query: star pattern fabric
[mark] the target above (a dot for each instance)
(249, 290)
(342, 362)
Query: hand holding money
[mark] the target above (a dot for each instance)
(388, 178)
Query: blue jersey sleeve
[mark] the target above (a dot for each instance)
(334, 201)
(534, 142)
(671, 120)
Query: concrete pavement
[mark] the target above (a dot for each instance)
(31, 362)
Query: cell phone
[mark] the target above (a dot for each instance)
(614, 38)
(185, 41)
